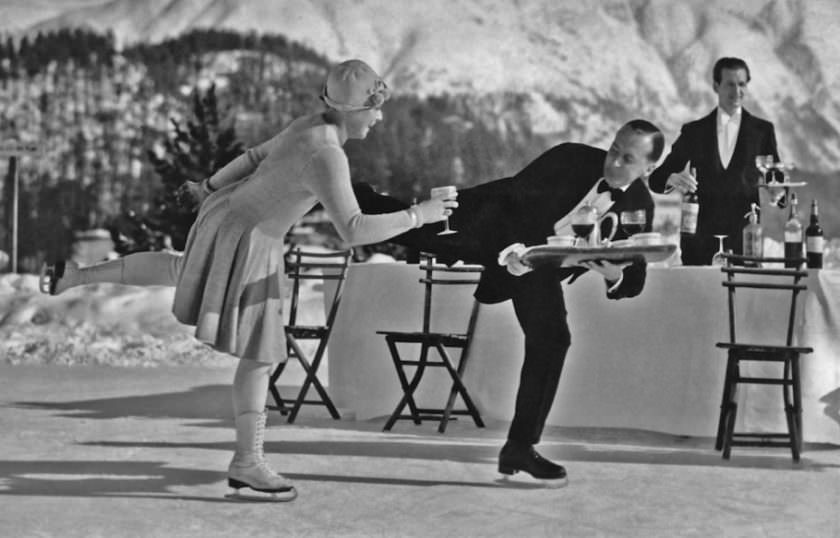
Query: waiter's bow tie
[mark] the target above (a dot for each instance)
(615, 194)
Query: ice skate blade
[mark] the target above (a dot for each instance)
(250, 495)
(527, 481)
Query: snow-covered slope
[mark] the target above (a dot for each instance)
(583, 66)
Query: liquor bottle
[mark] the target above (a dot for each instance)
(690, 209)
(753, 236)
(814, 239)
(793, 234)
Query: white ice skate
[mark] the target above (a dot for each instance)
(258, 483)
(249, 476)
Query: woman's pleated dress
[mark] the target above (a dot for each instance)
(232, 281)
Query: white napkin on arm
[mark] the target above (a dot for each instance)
(513, 263)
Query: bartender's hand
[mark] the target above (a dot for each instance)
(683, 181)
(610, 271)
(772, 196)
(510, 258)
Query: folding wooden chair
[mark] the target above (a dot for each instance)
(435, 275)
(781, 281)
(319, 267)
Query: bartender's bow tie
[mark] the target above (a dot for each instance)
(615, 194)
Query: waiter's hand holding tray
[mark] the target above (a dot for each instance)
(646, 247)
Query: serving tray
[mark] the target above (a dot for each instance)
(568, 256)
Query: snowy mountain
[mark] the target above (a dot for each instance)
(581, 67)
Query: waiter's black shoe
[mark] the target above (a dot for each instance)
(516, 457)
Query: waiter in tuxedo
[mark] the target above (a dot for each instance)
(503, 215)
(721, 147)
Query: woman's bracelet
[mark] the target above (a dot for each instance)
(206, 187)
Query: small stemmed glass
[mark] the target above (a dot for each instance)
(718, 258)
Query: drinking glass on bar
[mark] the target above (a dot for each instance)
(448, 192)
(718, 259)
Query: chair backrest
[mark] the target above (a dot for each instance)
(319, 266)
(753, 276)
(436, 274)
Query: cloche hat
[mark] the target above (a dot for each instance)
(354, 85)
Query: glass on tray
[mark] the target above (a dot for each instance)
(632, 221)
(583, 223)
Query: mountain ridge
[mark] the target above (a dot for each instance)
(583, 69)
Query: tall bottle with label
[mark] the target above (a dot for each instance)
(793, 234)
(690, 210)
(753, 236)
(814, 239)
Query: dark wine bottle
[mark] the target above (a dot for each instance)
(690, 209)
(793, 235)
(814, 239)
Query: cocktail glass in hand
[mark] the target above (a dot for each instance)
(583, 222)
(632, 221)
(718, 258)
(449, 192)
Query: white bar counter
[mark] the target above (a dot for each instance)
(648, 363)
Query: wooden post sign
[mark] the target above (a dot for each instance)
(13, 149)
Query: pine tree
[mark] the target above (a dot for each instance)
(193, 152)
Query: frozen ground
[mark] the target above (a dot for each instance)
(115, 451)
(114, 423)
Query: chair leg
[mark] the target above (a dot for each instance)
(793, 433)
(310, 380)
(322, 391)
(724, 402)
(395, 357)
(450, 401)
(415, 382)
(461, 389)
(462, 366)
(408, 388)
(792, 400)
(731, 408)
(788, 408)
(730, 430)
(272, 388)
(797, 404)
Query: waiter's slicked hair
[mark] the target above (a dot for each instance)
(658, 139)
(729, 63)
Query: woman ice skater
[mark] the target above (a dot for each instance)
(229, 282)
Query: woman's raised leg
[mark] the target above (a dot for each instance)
(138, 269)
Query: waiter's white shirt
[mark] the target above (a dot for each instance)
(727, 133)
